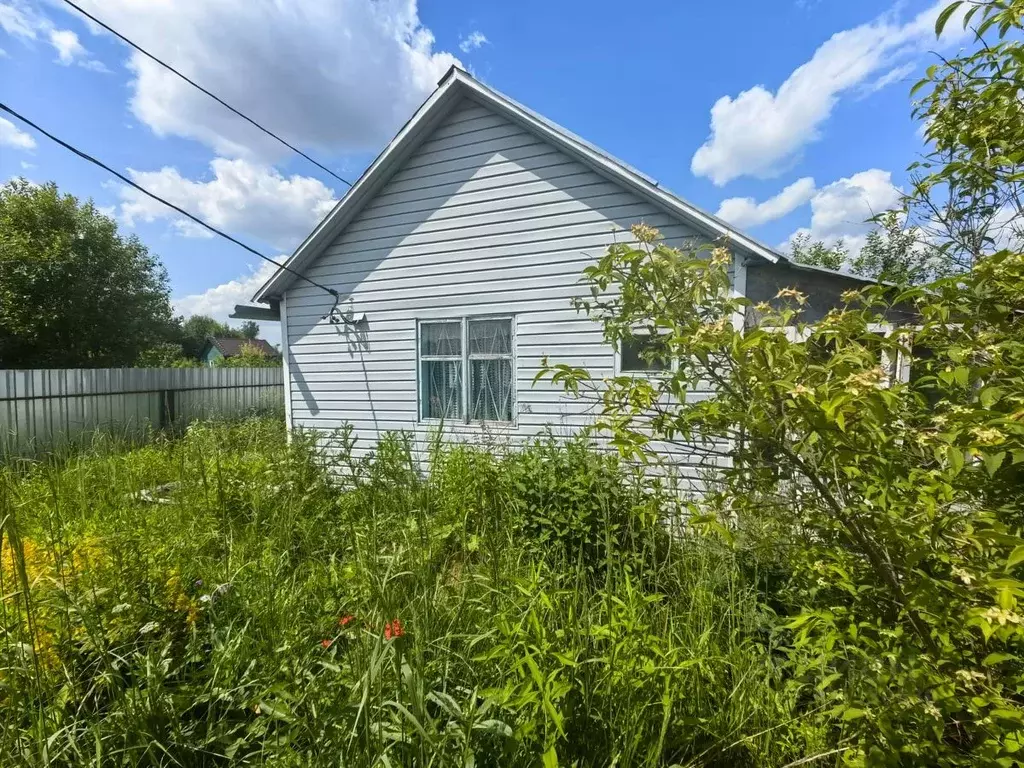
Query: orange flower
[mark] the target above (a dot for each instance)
(345, 620)
(326, 643)
(393, 630)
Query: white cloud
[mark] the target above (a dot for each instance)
(19, 19)
(760, 133)
(220, 301)
(841, 209)
(340, 76)
(67, 45)
(472, 41)
(12, 136)
(747, 212)
(242, 197)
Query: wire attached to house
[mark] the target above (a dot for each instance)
(213, 96)
(172, 206)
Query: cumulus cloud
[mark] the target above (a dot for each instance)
(220, 301)
(12, 136)
(340, 76)
(242, 197)
(19, 19)
(747, 212)
(842, 209)
(760, 133)
(472, 41)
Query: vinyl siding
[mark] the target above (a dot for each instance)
(483, 219)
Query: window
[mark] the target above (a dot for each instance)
(466, 369)
(638, 354)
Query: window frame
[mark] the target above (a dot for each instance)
(648, 374)
(465, 360)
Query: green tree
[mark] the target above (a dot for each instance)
(250, 329)
(805, 250)
(894, 252)
(893, 508)
(967, 192)
(198, 328)
(249, 356)
(73, 291)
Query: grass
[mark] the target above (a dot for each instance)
(519, 609)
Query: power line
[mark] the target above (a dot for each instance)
(213, 96)
(182, 211)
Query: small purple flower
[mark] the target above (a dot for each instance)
(198, 583)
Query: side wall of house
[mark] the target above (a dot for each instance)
(484, 219)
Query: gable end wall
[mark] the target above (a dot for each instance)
(484, 218)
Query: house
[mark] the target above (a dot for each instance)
(220, 348)
(455, 258)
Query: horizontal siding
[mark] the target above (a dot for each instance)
(484, 218)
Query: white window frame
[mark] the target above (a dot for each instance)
(465, 360)
(649, 374)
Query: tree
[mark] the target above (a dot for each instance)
(74, 292)
(967, 191)
(250, 329)
(804, 250)
(198, 328)
(895, 253)
(249, 356)
(892, 507)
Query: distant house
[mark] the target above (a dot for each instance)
(455, 258)
(217, 349)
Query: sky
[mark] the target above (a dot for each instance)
(782, 117)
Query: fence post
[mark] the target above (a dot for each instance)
(167, 408)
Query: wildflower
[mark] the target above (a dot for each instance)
(792, 293)
(963, 575)
(644, 233)
(988, 435)
(1001, 616)
(848, 297)
(198, 583)
(345, 620)
(799, 389)
(393, 630)
(325, 643)
(867, 379)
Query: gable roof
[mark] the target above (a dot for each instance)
(232, 347)
(453, 87)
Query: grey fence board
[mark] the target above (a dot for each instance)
(42, 408)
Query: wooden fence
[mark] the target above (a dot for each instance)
(44, 408)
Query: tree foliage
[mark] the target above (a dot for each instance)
(249, 356)
(967, 190)
(805, 250)
(893, 508)
(74, 292)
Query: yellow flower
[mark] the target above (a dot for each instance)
(988, 435)
(792, 293)
(872, 378)
(644, 233)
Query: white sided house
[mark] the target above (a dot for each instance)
(455, 258)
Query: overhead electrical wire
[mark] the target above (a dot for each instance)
(213, 96)
(182, 211)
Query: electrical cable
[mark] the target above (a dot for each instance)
(182, 211)
(213, 96)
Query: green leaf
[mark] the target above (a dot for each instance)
(948, 11)
(1016, 557)
(852, 713)
(993, 461)
(550, 758)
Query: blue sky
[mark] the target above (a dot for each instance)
(783, 116)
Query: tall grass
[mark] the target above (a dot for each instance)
(216, 600)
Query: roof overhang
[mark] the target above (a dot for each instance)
(453, 87)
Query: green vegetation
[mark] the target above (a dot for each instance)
(74, 292)
(518, 609)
